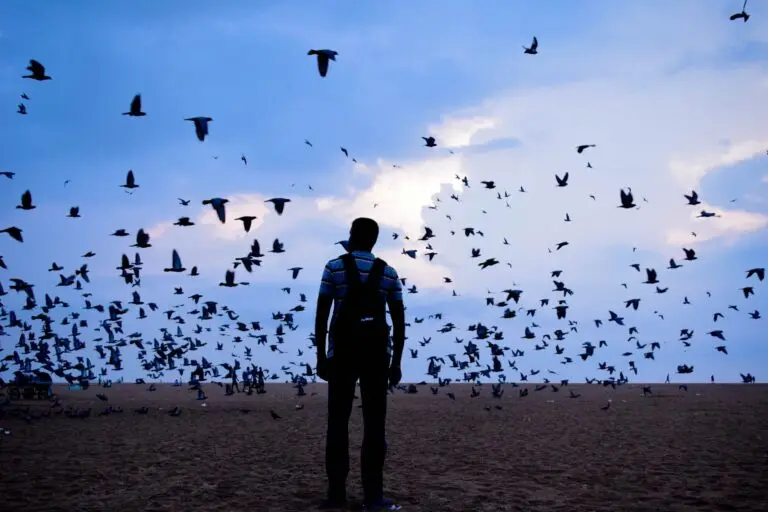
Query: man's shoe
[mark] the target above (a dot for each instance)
(381, 505)
(335, 499)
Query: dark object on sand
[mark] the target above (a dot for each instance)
(28, 386)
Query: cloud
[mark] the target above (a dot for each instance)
(299, 209)
(239, 205)
(458, 132)
(728, 223)
(159, 229)
(690, 173)
(661, 137)
(396, 195)
(427, 275)
(661, 126)
(213, 246)
(655, 138)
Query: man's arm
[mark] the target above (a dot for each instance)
(324, 303)
(397, 313)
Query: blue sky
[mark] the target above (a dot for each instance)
(669, 112)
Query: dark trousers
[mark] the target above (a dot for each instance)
(374, 376)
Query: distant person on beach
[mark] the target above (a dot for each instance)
(360, 286)
(235, 386)
(260, 381)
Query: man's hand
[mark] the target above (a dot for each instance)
(395, 374)
(322, 369)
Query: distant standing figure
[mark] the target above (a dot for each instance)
(260, 385)
(360, 287)
(235, 386)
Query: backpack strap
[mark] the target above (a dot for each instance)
(350, 271)
(376, 273)
(353, 276)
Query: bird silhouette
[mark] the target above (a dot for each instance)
(218, 205)
(533, 49)
(278, 203)
(741, 15)
(135, 110)
(323, 59)
(37, 71)
(201, 126)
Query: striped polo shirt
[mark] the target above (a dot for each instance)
(334, 283)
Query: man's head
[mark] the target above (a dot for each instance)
(363, 234)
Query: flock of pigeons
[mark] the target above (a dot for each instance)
(54, 336)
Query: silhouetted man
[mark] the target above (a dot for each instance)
(235, 386)
(360, 286)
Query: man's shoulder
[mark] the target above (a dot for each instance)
(336, 262)
(387, 267)
(389, 270)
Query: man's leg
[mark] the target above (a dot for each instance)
(373, 389)
(341, 393)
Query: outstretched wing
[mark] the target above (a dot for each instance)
(136, 103)
(176, 260)
(35, 67)
(322, 64)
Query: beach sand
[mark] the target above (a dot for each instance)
(705, 450)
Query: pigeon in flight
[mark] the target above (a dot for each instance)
(217, 204)
(38, 71)
(201, 126)
(533, 50)
(247, 221)
(14, 233)
(135, 110)
(740, 15)
(323, 57)
(279, 203)
(130, 181)
(175, 263)
(693, 199)
(627, 201)
(26, 202)
(229, 279)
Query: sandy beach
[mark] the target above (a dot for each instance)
(704, 449)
